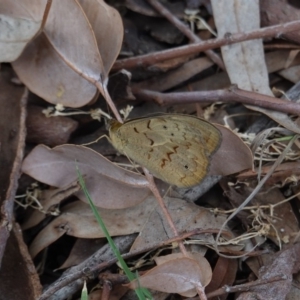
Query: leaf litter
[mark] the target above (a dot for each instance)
(68, 60)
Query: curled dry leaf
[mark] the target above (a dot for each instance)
(245, 62)
(77, 219)
(109, 185)
(224, 274)
(18, 25)
(179, 274)
(233, 156)
(62, 68)
(198, 257)
(108, 29)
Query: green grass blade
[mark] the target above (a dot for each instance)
(142, 293)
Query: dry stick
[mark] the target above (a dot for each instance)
(102, 88)
(63, 281)
(186, 31)
(155, 57)
(163, 207)
(46, 13)
(244, 287)
(233, 94)
(155, 191)
(254, 192)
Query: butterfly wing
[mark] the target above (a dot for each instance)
(174, 148)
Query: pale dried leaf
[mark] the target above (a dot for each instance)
(108, 29)
(43, 71)
(65, 25)
(15, 33)
(186, 216)
(245, 63)
(63, 57)
(108, 185)
(233, 155)
(77, 219)
(181, 276)
(19, 23)
(292, 74)
(198, 257)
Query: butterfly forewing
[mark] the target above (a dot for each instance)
(174, 148)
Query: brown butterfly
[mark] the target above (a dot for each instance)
(174, 148)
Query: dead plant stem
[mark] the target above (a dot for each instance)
(186, 31)
(254, 192)
(108, 99)
(243, 287)
(232, 94)
(229, 38)
(164, 209)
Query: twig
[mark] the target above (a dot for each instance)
(45, 16)
(233, 94)
(98, 267)
(186, 31)
(243, 287)
(156, 57)
(164, 209)
(254, 192)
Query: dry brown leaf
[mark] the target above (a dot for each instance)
(224, 274)
(108, 29)
(284, 224)
(198, 257)
(186, 216)
(277, 223)
(109, 185)
(43, 71)
(82, 250)
(19, 23)
(292, 74)
(49, 201)
(233, 155)
(64, 62)
(77, 219)
(167, 81)
(245, 62)
(275, 12)
(179, 275)
(49, 131)
(283, 263)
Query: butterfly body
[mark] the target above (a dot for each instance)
(174, 148)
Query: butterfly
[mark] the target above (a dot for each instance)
(175, 148)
